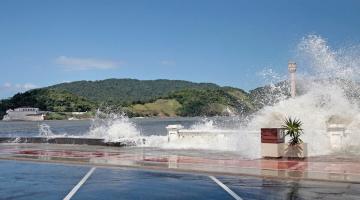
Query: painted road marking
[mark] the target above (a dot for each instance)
(223, 186)
(77, 187)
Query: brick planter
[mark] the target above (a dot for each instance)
(272, 142)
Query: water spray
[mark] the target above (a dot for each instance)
(292, 70)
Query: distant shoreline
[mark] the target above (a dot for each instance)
(142, 98)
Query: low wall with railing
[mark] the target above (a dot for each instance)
(338, 134)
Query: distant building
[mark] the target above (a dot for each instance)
(78, 113)
(24, 114)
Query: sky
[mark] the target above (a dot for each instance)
(227, 42)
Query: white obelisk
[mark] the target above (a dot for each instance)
(292, 70)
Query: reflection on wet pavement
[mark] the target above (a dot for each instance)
(316, 168)
(258, 188)
(31, 180)
(22, 180)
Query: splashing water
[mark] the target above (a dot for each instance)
(45, 131)
(209, 136)
(118, 127)
(325, 62)
(205, 125)
(328, 92)
(327, 95)
(113, 127)
(242, 143)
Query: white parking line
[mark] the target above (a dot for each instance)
(77, 187)
(223, 186)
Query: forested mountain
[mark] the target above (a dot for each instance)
(127, 91)
(196, 102)
(144, 98)
(48, 100)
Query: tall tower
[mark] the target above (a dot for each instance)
(292, 70)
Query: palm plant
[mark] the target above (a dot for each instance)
(293, 129)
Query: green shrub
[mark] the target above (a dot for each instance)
(293, 129)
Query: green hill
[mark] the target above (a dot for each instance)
(127, 91)
(48, 100)
(197, 102)
(141, 98)
(160, 107)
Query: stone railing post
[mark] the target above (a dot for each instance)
(173, 131)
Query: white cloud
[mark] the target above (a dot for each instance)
(7, 85)
(9, 88)
(168, 62)
(19, 87)
(27, 86)
(72, 63)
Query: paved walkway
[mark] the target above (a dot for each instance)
(36, 180)
(329, 168)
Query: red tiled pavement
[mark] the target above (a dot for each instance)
(320, 168)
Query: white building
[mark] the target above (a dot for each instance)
(24, 114)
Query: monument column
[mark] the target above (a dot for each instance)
(292, 70)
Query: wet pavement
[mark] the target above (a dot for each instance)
(34, 180)
(21, 180)
(262, 188)
(138, 184)
(328, 168)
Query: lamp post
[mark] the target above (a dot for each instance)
(292, 70)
